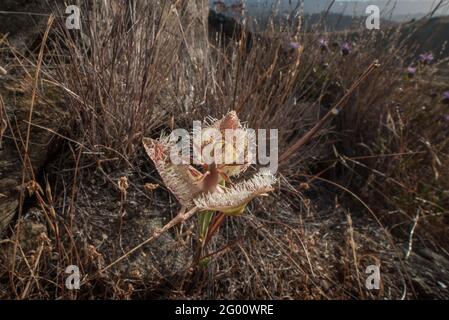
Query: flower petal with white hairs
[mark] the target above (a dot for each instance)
(235, 150)
(181, 180)
(233, 200)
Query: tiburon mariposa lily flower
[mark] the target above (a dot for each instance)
(211, 189)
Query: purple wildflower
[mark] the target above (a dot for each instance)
(446, 96)
(345, 48)
(220, 7)
(295, 45)
(411, 71)
(446, 118)
(323, 44)
(426, 58)
(237, 10)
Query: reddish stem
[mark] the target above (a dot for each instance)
(214, 227)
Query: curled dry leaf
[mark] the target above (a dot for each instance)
(34, 187)
(149, 187)
(123, 184)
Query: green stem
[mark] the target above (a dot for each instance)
(204, 219)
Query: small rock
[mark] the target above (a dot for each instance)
(30, 234)
(442, 285)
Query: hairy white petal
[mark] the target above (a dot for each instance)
(238, 195)
(177, 178)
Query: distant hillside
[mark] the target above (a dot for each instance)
(429, 35)
(423, 35)
(391, 10)
(339, 22)
(325, 22)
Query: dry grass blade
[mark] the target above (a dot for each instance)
(331, 114)
(3, 123)
(27, 166)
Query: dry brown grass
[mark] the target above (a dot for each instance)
(345, 200)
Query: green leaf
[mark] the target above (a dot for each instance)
(204, 219)
(204, 263)
(237, 211)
